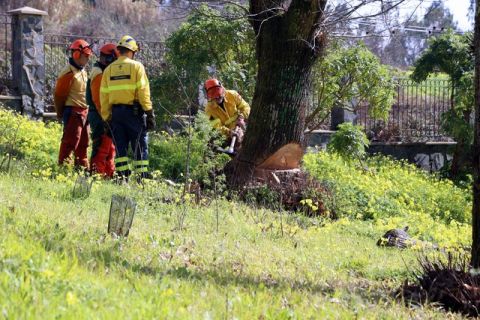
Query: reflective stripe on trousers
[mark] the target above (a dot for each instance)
(128, 131)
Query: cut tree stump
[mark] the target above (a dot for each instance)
(287, 184)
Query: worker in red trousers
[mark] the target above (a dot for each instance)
(71, 105)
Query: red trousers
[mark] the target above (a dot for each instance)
(104, 160)
(75, 136)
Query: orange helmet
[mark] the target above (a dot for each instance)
(109, 49)
(82, 46)
(214, 89)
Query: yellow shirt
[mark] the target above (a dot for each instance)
(70, 88)
(124, 82)
(226, 119)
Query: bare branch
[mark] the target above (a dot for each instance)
(347, 16)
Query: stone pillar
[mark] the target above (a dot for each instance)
(29, 59)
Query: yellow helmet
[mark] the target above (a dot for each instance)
(129, 43)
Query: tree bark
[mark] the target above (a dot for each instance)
(289, 39)
(476, 147)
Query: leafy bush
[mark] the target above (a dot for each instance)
(395, 194)
(34, 142)
(349, 142)
(169, 153)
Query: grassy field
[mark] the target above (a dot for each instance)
(56, 260)
(218, 259)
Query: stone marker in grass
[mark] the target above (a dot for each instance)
(122, 210)
(82, 188)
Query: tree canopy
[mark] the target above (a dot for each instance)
(349, 77)
(449, 53)
(207, 41)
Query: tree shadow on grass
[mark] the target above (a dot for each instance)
(110, 256)
(222, 277)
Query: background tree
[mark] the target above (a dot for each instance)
(218, 40)
(398, 46)
(370, 35)
(450, 53)
(350, 77)
(141, 19)
(395, 51)
(436, 19)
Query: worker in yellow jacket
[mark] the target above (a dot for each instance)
(226, 109)
(126, 106)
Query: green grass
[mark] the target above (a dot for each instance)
(56, 260)
(217, 260)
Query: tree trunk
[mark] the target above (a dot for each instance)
(462, 155)
(289, 40)
(476, 147)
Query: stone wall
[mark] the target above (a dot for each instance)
(431, 156)
(11, 102)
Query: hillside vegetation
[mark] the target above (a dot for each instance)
(103, 18)
(218, 258)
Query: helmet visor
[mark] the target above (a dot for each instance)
(215, 92)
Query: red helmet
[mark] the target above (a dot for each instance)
(214, 89)
(109, 49)
(82, 46)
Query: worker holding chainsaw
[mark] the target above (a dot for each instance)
(126, 105)
(71, 105)
(103, 149)
(226, 110)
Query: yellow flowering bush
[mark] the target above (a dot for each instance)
(394, 194)
(34, 142)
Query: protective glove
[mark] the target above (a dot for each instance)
(241, 122)
(151, 124)
(238, 132)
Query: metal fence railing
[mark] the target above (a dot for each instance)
(56, 57)
(5, 51)
(415, 115)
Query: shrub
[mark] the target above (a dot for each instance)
(349, 142)
(33, 142)
(169, 153)
(350, 77)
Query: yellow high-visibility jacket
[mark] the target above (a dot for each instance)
(124, 82)
(226, 119)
